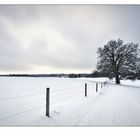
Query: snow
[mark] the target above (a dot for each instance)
(22, 102)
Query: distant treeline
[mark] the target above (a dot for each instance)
(71, 75)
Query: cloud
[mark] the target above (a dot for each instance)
(47, 38)
(12, 56)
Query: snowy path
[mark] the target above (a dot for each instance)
(112, 106)
(115, 108)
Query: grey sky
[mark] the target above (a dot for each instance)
(61, 38)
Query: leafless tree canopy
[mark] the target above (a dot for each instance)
(117, 58)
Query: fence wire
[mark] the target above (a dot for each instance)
(22, 96)
(73, 91)
(67, 97)
(68, 88)
(20, 113)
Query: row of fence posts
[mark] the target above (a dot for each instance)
(102, 84)
(48, 96)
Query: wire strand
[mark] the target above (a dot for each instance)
(69, 92)
(23, 96)
(36, 94)
(23, 112)
(67, 97)
(25, 103)
(62, 89)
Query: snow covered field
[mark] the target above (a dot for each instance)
(22, 102)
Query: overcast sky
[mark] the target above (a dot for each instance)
(61, 38)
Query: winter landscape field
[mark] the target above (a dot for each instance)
(23, 102)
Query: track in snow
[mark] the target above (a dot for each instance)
(112, 106)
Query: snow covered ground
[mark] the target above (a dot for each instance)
(22, 102)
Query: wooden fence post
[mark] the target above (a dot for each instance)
(96, 87)
(47, 101)
(85, 89)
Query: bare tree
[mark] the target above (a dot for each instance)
(118, 58)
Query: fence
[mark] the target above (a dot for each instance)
(85, 94)
(39, 96)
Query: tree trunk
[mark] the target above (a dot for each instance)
(117, 78)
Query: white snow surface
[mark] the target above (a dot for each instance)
(23, 102)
